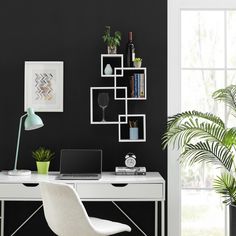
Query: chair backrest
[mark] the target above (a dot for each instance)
(64, 211)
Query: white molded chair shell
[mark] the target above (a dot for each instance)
(66, 215)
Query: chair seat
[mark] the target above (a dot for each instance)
(107, 227)
(71, 218)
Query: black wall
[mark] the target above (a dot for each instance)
(70, 31)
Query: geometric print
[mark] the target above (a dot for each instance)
(43, 85)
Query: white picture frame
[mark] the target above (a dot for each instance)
(44, 86)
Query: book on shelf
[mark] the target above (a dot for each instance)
(132, 86)
(142, 86)
(136, 80)
(120, 170)
(137, 85)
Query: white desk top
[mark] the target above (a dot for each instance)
(107, 177)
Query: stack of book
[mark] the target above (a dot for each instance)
(130, 171)
(137, 86)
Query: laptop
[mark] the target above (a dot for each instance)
(80, 164)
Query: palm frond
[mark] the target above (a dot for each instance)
(230, 137)
(226, 186)
(180, 117)
(181, 134)
(208, 152)
(227, 95)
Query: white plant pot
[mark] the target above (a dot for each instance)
(111, 50)
(137, 64)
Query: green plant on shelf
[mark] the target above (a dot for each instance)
(112, 41)
(137, 62)
(204, 137)
(137, 59)
(43, 155)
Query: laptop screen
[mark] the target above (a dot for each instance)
(81, 161)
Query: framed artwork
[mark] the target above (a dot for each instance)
(44, 86)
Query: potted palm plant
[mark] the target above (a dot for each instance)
(203, 137)
(43, 157)
(111, 41)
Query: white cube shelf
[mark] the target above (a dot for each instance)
(115, 60)
(131, 69)
(124, 128)
(92, 121)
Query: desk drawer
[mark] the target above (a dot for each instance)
(120, 191)
(19, 191)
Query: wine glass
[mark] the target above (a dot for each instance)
(103, 101)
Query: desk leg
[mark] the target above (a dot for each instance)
(129, 218)
(156, 218)
(2, 218)
(27, 219)
(162, 218)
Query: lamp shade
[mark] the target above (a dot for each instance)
(32, 120)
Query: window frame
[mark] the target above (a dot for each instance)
(174, 96)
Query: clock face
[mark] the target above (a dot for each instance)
(130, 162)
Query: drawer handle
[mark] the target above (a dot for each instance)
(30, 185)
(119, 185)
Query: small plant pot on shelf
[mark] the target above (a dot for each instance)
(112, 41)
(111, 49)
(42, 167)
(137, 64)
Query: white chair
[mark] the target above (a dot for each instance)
(66, 215)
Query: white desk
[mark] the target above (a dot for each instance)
(110, 187)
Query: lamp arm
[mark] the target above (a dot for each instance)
(18, 140)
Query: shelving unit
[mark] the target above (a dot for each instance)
(131, 70)
(124, 132)
(93, 103)
(121, 93)
(115, 60)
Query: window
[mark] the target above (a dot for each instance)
(208, 62)
(203, 70)
(201, 59)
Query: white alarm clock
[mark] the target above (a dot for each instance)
(130, 160)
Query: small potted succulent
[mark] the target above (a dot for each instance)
(137, 62)
(43, 157)
(111, 41)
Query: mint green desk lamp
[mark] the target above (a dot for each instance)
(32, 121)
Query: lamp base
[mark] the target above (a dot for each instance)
(19, 172)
